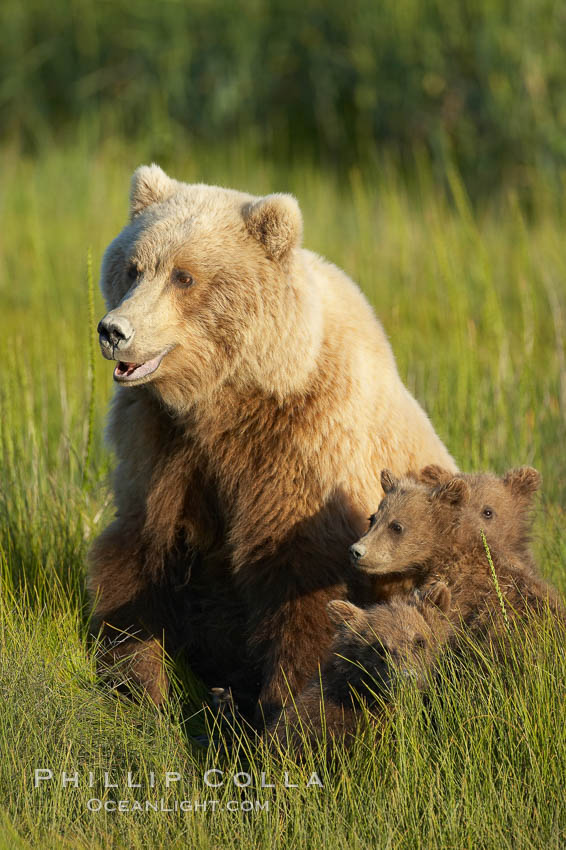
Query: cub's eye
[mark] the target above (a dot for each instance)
(396, 527)
(182, 278)
(372, 520)
(419, 642)
(487, 513)
(133, 271)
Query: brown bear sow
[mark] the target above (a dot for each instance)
(371, 648)
(257, 395)
(422, 534)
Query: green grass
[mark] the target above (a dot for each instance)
(483, 83)
(474, 302)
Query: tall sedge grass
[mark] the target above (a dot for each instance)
(495, 580)
(474, 302)
(482, 84)
(91, 370)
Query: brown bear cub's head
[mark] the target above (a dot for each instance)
(374, 645)
(500, 506)
(188, 282)
(413, 526)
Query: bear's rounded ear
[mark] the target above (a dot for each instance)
(276, 222)
(340, 611)
(149, 185)
(434, 474)
(439, 595)
(523, 481)
(456, 491)
(388, 481)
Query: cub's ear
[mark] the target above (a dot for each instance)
(149, 185)
(523, 481)
(439, 595)
(341, 611)
(388, 481)
(453, 492)
(276, 222)
(433, 475)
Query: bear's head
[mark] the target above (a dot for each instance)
(401, 636)
(413, 525)
(501, 506)
(202, 286)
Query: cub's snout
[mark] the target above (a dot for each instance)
(357, 552)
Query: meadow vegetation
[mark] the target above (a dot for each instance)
(482, 83)
(473, 298)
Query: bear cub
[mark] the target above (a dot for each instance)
(371, 649)
(422, 533)
(501, 506)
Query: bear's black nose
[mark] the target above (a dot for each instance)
(357, 551)
(115, 330)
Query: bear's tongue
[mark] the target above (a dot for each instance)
(124, 370)
(132, 371)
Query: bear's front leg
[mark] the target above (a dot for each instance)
(290, 634)
(313, 716)
(129, 614)
(133, 663)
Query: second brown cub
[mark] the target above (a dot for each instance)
(371, 649)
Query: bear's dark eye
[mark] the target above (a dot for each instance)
(372, 520)
(396, 527)
(133, 271)
(419, 642)
(487, 513)
(182, 278)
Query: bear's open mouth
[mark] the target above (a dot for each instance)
(126, 372)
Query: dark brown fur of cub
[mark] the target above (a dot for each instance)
(371, 648)
(422, 534)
